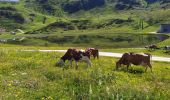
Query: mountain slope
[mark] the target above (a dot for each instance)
(58, 7)
(32, 15)
(16, 16)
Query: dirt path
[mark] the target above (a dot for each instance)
(108, 54)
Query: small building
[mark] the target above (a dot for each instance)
(165, 28)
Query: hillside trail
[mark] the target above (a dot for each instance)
(107, 54)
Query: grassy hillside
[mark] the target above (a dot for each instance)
(33, 75)
(57, 7)
(99, 17)
(22, 18)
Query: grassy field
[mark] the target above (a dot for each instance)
(33, 75)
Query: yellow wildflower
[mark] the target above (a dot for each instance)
(9, 84)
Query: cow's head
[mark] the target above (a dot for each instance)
(87, 53)
(86, 59)
(146, 46)
(60, 63)
(118, 64)
(166, 47)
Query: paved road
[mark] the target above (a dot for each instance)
(108, 54)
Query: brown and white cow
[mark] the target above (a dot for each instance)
(152, 47)
(136, 59)
(74, 55)
(92, 52)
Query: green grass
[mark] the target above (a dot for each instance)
(33, 75)
(29, 26)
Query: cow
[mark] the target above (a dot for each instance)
(152, 47)
(135, 59)
(167, 48)
(92, 52)
(76, 55)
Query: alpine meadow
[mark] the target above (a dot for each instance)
(84, 49)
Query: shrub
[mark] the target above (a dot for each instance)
(13, 15)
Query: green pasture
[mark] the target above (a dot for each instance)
(33, 75)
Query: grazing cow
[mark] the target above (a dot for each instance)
(76, 55)
(136, 59)
(167, 48)
(152, 47)
(92, 52)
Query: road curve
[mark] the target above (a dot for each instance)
(108, 54)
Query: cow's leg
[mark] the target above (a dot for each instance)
(94, 56)
(89, 63)
(145, 65)
(118, 64)
(97, 56)
(87, 60)
(71, 63)
(89, 56)
(146, 68)
(128, 66)
(76, 65)
(150, 66)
